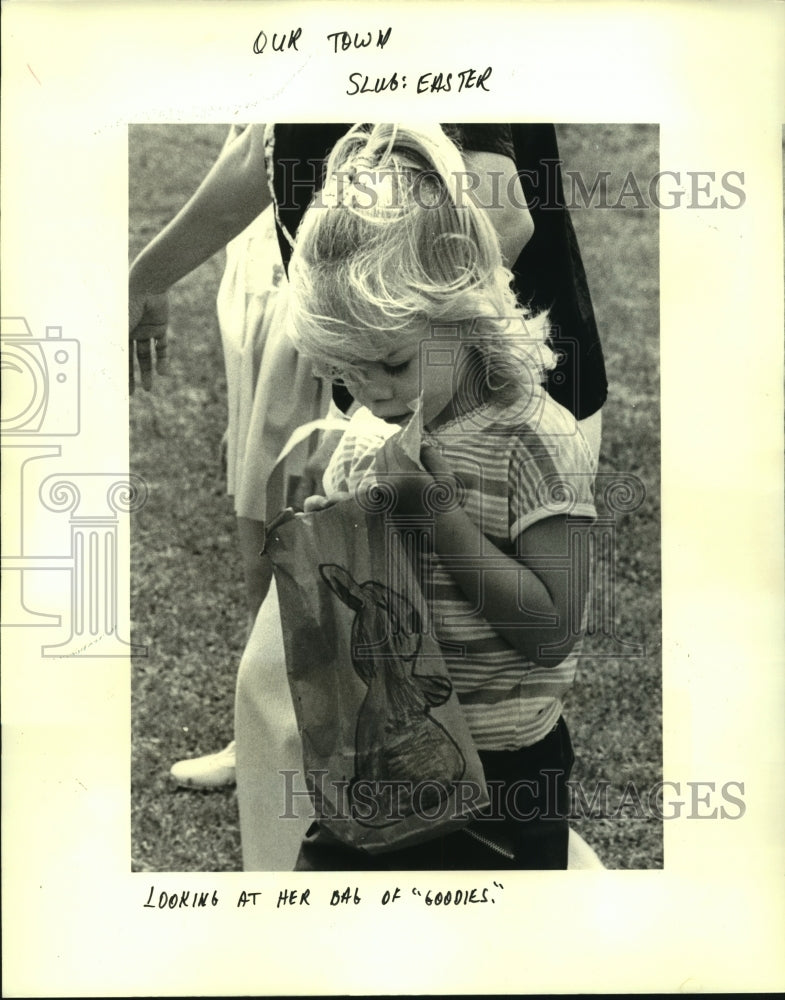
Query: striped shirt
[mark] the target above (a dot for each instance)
(513, 468)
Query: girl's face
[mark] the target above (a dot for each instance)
(392, 387)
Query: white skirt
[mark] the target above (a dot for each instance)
(270, 389)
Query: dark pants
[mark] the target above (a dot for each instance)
(525, 826)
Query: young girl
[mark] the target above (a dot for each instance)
(398, 288)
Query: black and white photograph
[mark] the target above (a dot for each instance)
(223, 330)
(392, 536)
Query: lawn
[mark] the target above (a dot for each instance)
(187, 599)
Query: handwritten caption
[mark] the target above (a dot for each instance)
(349, 895)
(358, 82)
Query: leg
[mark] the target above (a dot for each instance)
(216, 770)
(257, 572)
(268, 742)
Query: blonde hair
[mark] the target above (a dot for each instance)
(390, 249)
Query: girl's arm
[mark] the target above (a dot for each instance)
(531, 599)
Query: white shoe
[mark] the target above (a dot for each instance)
(216, 770)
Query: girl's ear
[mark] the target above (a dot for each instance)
(342, 584)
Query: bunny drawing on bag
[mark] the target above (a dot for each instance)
(397, 738)
(388, 759)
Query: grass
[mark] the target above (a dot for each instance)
(186, 588)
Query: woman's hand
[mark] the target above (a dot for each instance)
(148, 323)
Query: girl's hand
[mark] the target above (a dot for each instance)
(407, 481)
(319, 502)
(313, 471)
(417, 491)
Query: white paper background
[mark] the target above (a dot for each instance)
(712, 75)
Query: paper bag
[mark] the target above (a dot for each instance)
(387, 753)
